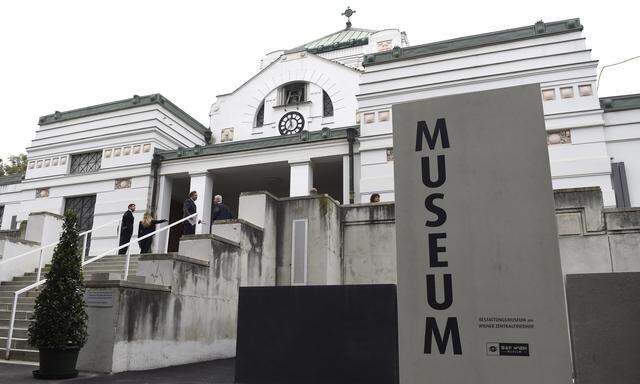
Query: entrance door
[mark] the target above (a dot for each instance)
(84, 207)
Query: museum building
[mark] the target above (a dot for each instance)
(317, 116)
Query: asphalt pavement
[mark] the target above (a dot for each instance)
(209, 372)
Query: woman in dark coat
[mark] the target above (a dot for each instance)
(146, 226)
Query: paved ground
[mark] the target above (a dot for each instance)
(209, 372)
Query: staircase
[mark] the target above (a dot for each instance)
(20, 349)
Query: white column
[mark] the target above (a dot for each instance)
(301, 179)
(165, 189)
(203, 184)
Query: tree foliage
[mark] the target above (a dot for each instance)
(60, 316)
(16, 164)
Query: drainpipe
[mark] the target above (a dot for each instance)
(155, 166)
(351, 138)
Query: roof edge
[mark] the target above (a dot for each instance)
(538, 29)
(620, 103)
(133, 102)
(325, 134)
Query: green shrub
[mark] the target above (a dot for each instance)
(60, 316)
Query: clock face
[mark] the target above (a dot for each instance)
(290, 123)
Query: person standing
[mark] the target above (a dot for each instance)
(375, 198)
(220, 211)
(188, 209)
(146, 226)
(126, 228)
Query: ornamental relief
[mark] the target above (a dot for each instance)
(123, 183)
(559, 137)
(47, 163)
(126, 150)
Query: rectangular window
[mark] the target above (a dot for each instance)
(548, 94)
(86, 162)
(294, 93)
(620, 187)
(299, 252)
(585, 90)
(566, 92)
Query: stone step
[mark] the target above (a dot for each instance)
(21, 354)
(21, 300)
(32, 293)
(20, 315)
(30, 279)
(17, 343)
(17, 323)
(15, 283)
(22, 333)
(115, 258)
(98, 268)
(21, 306)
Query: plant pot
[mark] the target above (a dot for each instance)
(57, 363)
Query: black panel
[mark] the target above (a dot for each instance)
(84, 207)
(604, 315)
(318, 334)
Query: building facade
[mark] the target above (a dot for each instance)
(319, 116)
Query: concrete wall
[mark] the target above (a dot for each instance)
(323, 239)
(355, 244)
(186, 312)
(594, 239)
(369, 244)
(604, 313)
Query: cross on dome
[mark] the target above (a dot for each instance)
(348, 13)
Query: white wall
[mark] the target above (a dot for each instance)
(238, 110)
(557, 61)
(622, 134)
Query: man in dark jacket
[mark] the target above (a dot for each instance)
(126, 228)
(188, 209)
(220, 211)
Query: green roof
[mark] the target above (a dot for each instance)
(620, 103)
(345, 38)
(254, 144)
(11, 179)
(135, 101)
(539, 29)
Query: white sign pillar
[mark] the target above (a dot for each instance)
(301, 178)
(480, 290)
(203, 184)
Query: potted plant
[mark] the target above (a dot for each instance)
(59, 328)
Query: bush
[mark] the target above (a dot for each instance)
(60, 316)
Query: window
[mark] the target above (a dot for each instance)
(86, 162)
(327, 105)
(548, 94)
(585, 90)
(566, 92)
(293, 93)
(260, 116)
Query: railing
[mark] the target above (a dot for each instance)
(85, 262)
(84, 234)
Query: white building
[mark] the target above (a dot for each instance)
(319, 116)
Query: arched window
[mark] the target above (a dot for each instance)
(260, 116)
(327, 105)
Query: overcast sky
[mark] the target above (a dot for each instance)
(60, 55)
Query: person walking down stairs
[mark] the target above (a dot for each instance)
(146, 226)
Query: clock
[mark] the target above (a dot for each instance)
(291, 123)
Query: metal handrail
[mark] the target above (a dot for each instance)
(85, 262)
(41, 249)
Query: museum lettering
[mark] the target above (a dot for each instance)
(451, 331)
